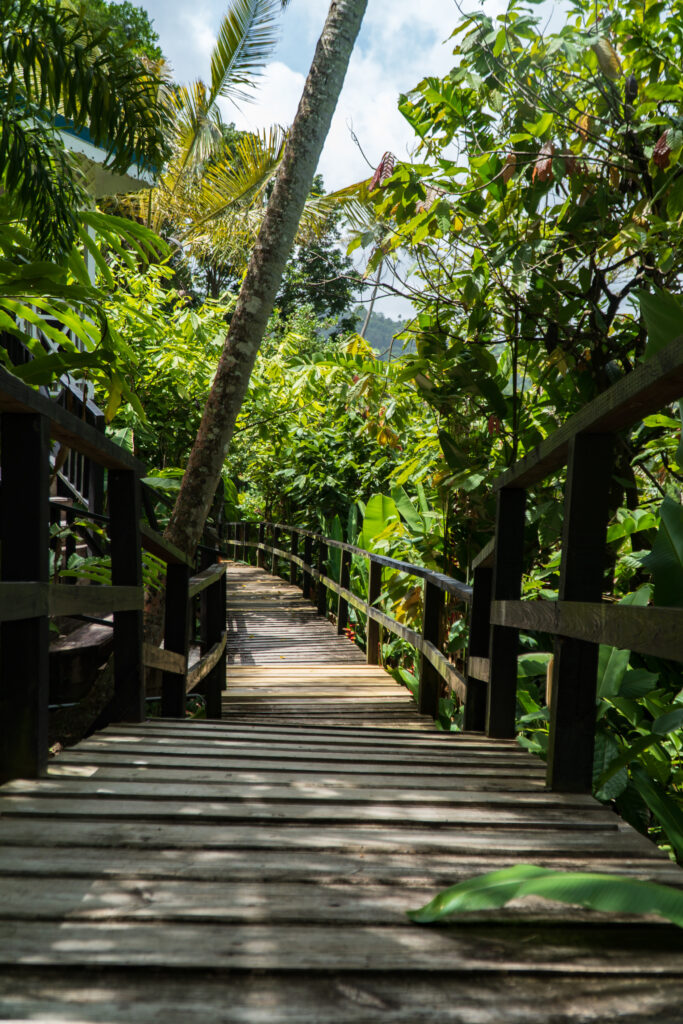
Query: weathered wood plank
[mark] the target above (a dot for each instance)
(649, 950)
(403, 997)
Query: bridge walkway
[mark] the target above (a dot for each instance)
(257, 869)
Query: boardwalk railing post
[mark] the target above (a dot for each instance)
(430, 680)
(478, 650)
(507, 586)
(244, 537)
(126, 570)
(260, 554)
(275, 563)
(572, 706)
(235, 542)
(294, 550)
(24, 539)
(371, 627)
(321, 589)
(307, 581)
(176, 637)
(342, 603)
(215, 614)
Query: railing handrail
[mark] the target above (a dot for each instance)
(446, 583)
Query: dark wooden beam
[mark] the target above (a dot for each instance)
(504, 641)
(648, 389)
(126, 571)
(24, 555)
(575, 665)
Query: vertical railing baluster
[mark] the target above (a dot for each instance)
(177, 625)
(504, 640)
(478, 647)
(260, 553)
(126, 570)
(294, 550)
(24, 643)
(584, 537)
(307, 581)
(371, 627)
(342, 603)
(430, 681)
(321, 589)
(213, 685)
(274, 564)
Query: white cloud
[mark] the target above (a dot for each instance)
(275, 100)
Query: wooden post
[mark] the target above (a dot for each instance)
(126, 571)
(478, 647)
(275, 562)
(24, 539)
(307, 581)
(294, 549)
(176, 637)
(507, 586)
(235, 541)
(342, 603)
(430, 681)
(321, 589)
(372, 627)
(215, 618)
(261, 555)
(572, 713)
(245, 549)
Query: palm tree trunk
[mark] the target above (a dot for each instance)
(257, 296)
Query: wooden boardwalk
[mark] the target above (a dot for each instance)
(257, 869)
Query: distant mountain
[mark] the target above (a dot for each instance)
(380, 332)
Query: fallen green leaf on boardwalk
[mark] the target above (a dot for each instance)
(610, 893)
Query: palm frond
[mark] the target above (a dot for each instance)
(239, 177)
(246, 40)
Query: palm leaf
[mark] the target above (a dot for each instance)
(611, 893)
(246, 39)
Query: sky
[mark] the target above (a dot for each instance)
(401, 42)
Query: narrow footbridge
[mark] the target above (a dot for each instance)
(255, 866)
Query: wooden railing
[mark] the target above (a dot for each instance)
(315, 582)
(580, 619)
(29, 423)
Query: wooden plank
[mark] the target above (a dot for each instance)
(70, 430)
(651, 950)
(336, 997)
(162, 548)
(524, 842)
(165, 661)
(205, 665)
(646, 390)
(65, 599)
(323, 792)
(255, 902)
(272, 865)
(272, 773)
(23, 600)
(206, 578)
(646, 630)
(481, 814)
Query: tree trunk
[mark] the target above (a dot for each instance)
(257, 296)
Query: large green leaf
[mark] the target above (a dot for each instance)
(663, 316)
(610, 893)
(379, 511)
(665, 561)
(662, 805)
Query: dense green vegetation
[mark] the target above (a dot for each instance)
(543, 214)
